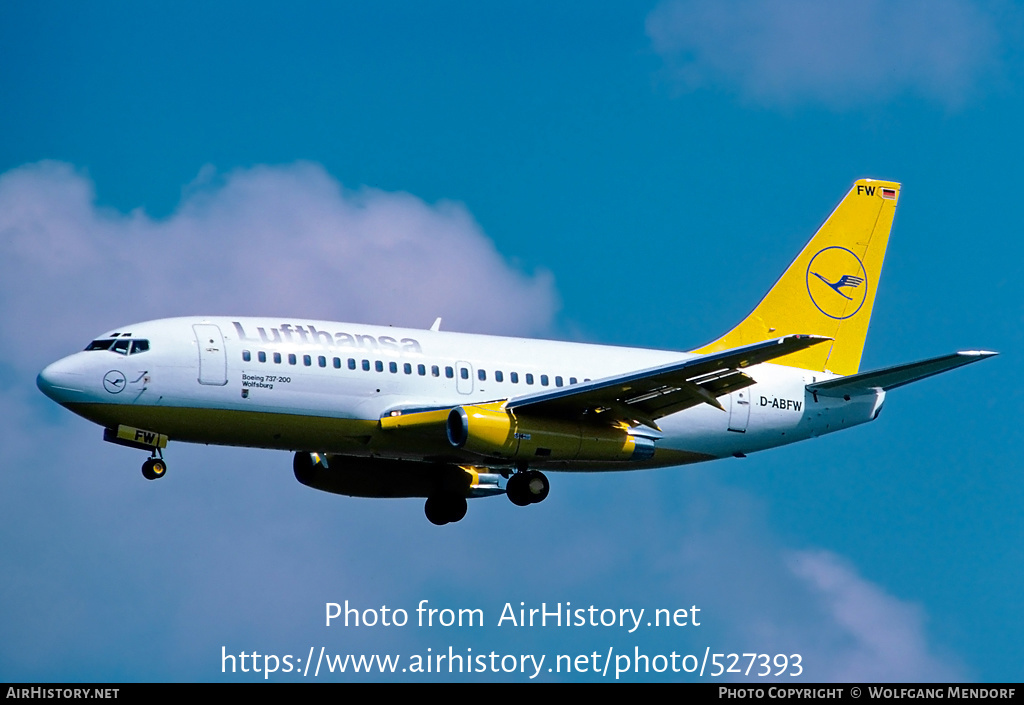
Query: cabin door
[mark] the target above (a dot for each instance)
(739, 410)
(213, 359)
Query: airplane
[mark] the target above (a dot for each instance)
(372, 411)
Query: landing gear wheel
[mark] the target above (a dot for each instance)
(537, 485)
(154, 469)
(434, 510)
(458, 506)
(517, 490)
(527, 487)
(444, 509)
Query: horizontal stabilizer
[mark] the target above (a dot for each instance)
(893, 377)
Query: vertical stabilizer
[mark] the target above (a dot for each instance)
(829, 290)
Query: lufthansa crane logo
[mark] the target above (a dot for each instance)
(114, 381)
(837, 282)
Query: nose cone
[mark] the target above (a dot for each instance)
(61, 381)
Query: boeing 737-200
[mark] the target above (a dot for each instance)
(386, 412)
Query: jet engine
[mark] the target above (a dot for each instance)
(384, 478)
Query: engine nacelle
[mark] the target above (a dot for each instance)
(495, 432)
(380, 478)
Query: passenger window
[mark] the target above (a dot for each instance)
(464, 373)
(292, 359)
(246, 356)
(261, 356)
(307, 360)
(558, 381)
(422, 370)
(572, 380)
(366, 365)
(337, 363)
(481, 375)
(378, 365)
(351, 363)
(529, 378)
(322, 361)
(498, 376)
(435, 371)
(449, 372)
(393, 366)
(544, 380)
(514, 377)
(277, 358)
(407, 368)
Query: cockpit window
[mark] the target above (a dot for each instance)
(122, 346)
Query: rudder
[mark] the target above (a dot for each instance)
(829, 289)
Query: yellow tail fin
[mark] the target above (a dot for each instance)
(829, 289)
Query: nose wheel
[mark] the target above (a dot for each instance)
(154, 468)
(527, 487)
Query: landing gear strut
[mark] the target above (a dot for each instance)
(154, 468)
(527, 487)
(445, 508)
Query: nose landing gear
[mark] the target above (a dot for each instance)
(154, 468)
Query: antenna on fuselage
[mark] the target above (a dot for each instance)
(437, 324)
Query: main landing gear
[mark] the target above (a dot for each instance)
(448, 505)
(154, 468)
(527, 487)
(445, 508)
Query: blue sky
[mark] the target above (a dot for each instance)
(632, 174)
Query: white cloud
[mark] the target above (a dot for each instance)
(91, 554)
(276, 241)
(760, 593)
(882, 637)
(785, 52)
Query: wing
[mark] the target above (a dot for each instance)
(644, 396)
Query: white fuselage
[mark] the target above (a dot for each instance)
(321, 386)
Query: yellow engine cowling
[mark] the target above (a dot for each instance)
(493, 431)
